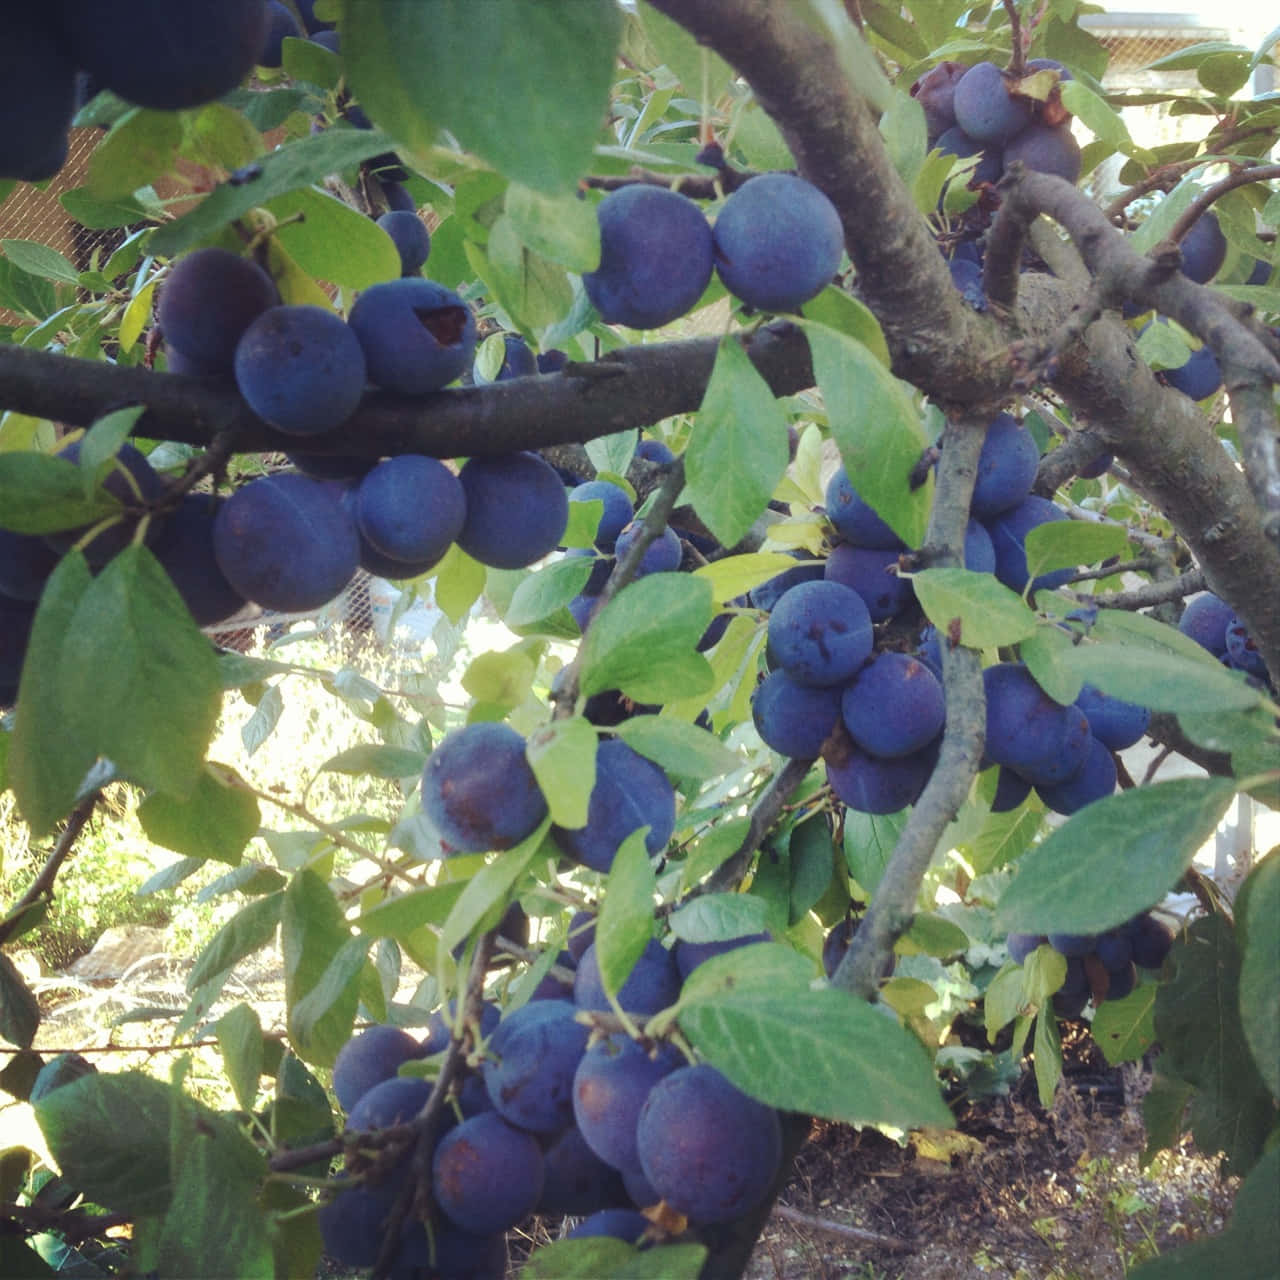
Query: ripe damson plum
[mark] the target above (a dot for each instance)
(820, 633)
(486, 1174)
(616, 514)
(1011, 790)
(184, 547)
(955, 142)
(778, 242)
(410, 507)
(518, 361)
(1009, 532)
(440, 1028)
(577, 1181)
(1075, 946)
(410, 236)
(42, 79)
(872, 785)
(1095, 780)
(1028, 731)
(1113, 721)
(656, 257)
(1121, 981)
(708, 1149)
(301, 369)
(620, 1224)
(479, 791)
(1151, 940)
(63, 1068)
(610, 1086)
(651, 450)
(1242, 651)
(26, 561)
(395, 1100)
(662, 555)
(855, 520)
(935, 91)
(281, 24)
(984, 107)
(1046, 149)
(530, 1063)
(768, 593)
(689, 955)
(967, 278)
(517, 510)
(1006, 467)
(979, 551)
(1204, 248)
(1021, 945)
(462, 1255)
(837, 943)
(630, 792)
(351, 1225)
(417, 335)
(1114, 948)
(893, 706)
(653, 984)
(285, 542)
(1205, 620)
(208, 299)
(869, 573)
(163, 55)
(369, 1058)
(16, 618)
(1197, 379)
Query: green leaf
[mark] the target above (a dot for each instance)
(644, 640)
(100, 447)
(711, 850)
(990, 614)
(500, 679)
(1047, 1053)
(613, 452)
(240, 1040)
(533, 291)
(312, 932)
(877, 427)
(402, 915)
(562, 228)
(19, 1011)
(1258, 919)
(735, 575)
(323, 1003)
(1101, 120)
(218, 136)
(843, 312)
(378, 760)
(1113, 858)
(812, 856)
(1125, 1029)
(1003, 837)
(1047, 653)
(491, 884)
(296, 164)
(869, 841)
(333, 241)
(738, 450)
(1068, 543)
(683, 55)
(933, 935)
(680, 748)
(251, 928)
(216, 819)
(310, 62)
(43, 494)
(1199, 1027)
(459, 582)
(543, 594)
(753, 1015)
(589, 1259)
(716, 917)
(905, 134)
(562, 756)
(416, 68)
(40, 260)
(140, 148)
(625, 923)
(1004, 999)
(1163, 1111)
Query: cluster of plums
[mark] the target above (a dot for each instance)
(152, 53)
(554, 1119)
(1212, 623)
(777, 242)
(1101, 966)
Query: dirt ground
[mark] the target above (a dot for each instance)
(1024, 1193)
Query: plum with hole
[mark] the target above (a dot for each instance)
(1094, 780)
(820, 633)
(26, 561)
(577, 1180)
(617, 511)
(794, 719)
(1205, 620)
(417, 335)
(1151, 940)
(1006, 467)
(653, 984)
(609, 1089)
(301, 369)
(656, 257)
(872, 785)
(395, 1100)
(935, 91)
(286, 542)
(207, 301)
(184, 547)
(518, 361)
(517, 510)
(41, 77)
(1028, 731)
(1046, 149)
(1009, 532)
(486, 1174)
(870, 574)
(1197, 379)
(1117, 724)
(163, 55)
(630, 792)
(778, 242)
(662, 555)
(708, 1149)
(410, 236)
(368, 1059)
(411, 508)
(985, 108)
(621, 1224)
(893, 706)
(855, 519)
(479, 791)
(281, 24)
(530, 1062)
(1204, 248)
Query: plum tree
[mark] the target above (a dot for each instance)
(417, 335)
(479, 791)
(656, 257)
(778, 242)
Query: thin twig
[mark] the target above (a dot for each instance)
(838, 1229)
